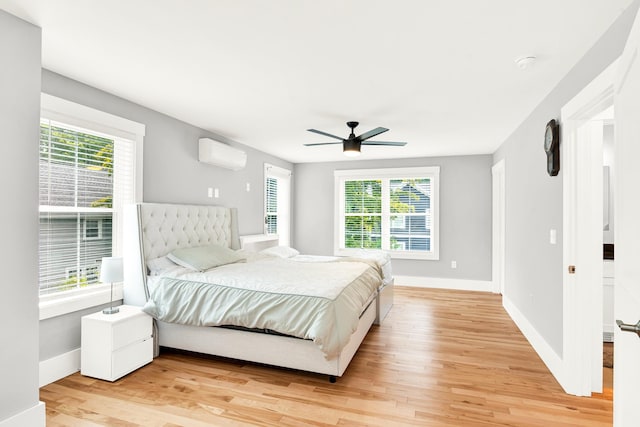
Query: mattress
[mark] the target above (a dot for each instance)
(255, 248)
(320, 301)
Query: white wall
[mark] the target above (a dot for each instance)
(533, 276)
(20, 45)
(465, 214)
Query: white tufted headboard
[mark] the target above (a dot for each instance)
(155, 229)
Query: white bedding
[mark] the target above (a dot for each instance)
(321, 301)
(381, 258)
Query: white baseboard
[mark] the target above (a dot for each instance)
(32, 417)
(59, 367)
(544, 350)
(442, 283)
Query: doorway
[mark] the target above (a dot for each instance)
(608, 226)
(583, 200)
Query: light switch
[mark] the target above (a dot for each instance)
(553, 236)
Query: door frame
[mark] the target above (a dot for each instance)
(499, 226)
(581, 157)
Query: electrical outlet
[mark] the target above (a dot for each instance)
(209, 192)
(216, 193)
(454, 264)
(248, 186)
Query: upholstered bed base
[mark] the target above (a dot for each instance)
(276, 350)
(153, 230)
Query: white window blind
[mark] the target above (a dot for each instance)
(362, 213)
(271, 205)
(410, 214)
(85, 178)
(390, 209)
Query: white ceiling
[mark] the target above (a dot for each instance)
(440, 74)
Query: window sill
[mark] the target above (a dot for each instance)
(76, 300)
(415, 255)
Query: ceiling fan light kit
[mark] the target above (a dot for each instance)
(351, 148)
(351, 145)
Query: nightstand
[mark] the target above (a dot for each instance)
(114, 345)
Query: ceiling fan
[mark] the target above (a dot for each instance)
(351, 145)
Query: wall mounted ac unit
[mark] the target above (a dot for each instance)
(219, 154)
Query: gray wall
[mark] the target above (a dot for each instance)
(465, 213)
(61, 334)
(19, 115)
(172, 174)
(533, 276)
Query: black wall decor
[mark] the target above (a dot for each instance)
(552, 147)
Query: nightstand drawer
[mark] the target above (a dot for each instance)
(132, 357)
(135, 329)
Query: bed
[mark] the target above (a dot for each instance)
(154, 230)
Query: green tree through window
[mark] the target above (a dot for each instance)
(363, 214)
(393, 212)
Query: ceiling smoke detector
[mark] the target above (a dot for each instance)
(525, 61)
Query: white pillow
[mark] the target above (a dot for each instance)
(203, 258)
(280, 251)
(158, 265)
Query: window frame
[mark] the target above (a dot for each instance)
(386, 175)
(283, 179)
(77, 115)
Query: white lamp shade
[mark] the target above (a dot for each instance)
(111, 270)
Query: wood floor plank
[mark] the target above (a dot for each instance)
(440, 358)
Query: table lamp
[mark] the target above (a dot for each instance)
(111, 271)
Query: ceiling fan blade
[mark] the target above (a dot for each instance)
(395, 144)
(322, 143)
(372, 133)
(325, 134)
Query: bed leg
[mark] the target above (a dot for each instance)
(332, 379)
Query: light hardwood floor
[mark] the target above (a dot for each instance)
(441, 358)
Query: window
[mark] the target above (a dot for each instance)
(271, 206)
(92, 229)
(277, 202)
(391, 209)
(88, 169)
